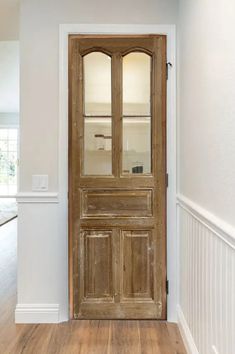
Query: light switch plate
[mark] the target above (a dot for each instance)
(40, 183)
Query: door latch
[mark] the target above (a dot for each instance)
(167, 68)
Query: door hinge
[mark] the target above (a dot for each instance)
(167, 69)
(167, 180)
(167, 287)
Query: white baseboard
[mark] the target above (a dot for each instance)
(37, 313)
(186, 333)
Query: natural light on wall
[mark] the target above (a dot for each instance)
(8, 161)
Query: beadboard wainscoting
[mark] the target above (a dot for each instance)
(206, 311)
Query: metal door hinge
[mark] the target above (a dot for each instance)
(167, 180)
(167, 69)
(167, 287)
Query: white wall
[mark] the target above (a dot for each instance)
(42, 250)
(9, 76)
(207, 109)
(206, 173)
(9, 24)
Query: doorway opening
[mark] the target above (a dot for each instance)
(9, 123)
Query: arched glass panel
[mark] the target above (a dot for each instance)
(136, 84)
(136, 120)
(97, 114)
(97, 84)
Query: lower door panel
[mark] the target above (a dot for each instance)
(117, 274)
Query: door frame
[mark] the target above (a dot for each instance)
(172, 243)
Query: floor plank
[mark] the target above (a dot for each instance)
(74, 337)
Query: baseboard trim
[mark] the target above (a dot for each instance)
(186, 333)
(37, 313)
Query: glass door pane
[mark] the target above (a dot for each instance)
(97, 84)
(98, 146)
(136, 120)
(136, 145)
(136, 84)
(97, 157)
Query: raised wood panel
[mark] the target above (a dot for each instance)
(126, 182)
(136, 265)
(98, 259)
(118, 222)
(126, 203)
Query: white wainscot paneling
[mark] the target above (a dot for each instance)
(42, 290)
(206, 310)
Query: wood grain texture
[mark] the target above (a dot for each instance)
(118, 203)
(111, 203)
(137, 268)
(98, 281)
(73, 337)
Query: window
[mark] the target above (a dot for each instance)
(8, 161)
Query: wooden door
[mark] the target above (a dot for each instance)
(117, 176)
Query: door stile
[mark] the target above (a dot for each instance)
(79, 244)
(71, 54)
(116, 264)
(160, 161)
(74, 166)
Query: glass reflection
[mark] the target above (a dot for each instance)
(136, 145)
(98, 146)
(136, 84)
(97, 84)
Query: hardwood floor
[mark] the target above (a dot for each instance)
(73, 337)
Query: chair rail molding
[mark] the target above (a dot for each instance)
(220, 228)
(37, 197)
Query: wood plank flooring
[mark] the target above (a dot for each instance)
(74, 337)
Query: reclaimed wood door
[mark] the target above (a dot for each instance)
(117, 176)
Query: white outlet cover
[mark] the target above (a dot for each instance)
(40, 183)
